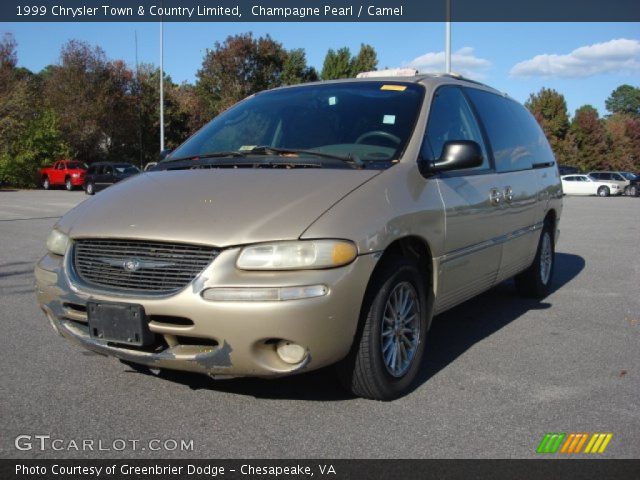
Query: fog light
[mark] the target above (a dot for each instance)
(267, 294)
(290, 352)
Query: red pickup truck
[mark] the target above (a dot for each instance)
(63, 172)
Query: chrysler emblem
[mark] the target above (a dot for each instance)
(131, 265)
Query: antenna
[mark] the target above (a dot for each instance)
(139, 92)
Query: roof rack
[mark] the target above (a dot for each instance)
(390, 72)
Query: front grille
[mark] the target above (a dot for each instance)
(139, 266)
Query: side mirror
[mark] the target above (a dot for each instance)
(456, 155)
(165, 153)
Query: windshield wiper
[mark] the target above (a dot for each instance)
(230, 153)
(351, 159)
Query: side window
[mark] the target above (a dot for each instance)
(605, 176)
(108, 170)
(569, 179)
(451, 118)
(516, 138)
(60, 166)
(617, 176)
(91, 170)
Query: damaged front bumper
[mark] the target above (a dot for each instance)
(221, 338)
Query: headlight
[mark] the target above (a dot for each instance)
(299, 255)
(57, 242)
(75, 175)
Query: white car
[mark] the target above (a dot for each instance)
(586, 185)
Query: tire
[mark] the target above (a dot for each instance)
(603, 192)
(633, 191)
(67, 184)
(370, 370)
(46, 184)
(535, 281)
(90, 189)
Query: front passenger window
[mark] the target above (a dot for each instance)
(451, 118)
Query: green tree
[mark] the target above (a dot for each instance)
(590, 138)
(337, 64)
(238, 67)
(550, 110)
(295, 69)
(624, 99)
(92, 99)
(365, 61)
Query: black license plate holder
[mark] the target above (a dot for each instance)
(123, 323)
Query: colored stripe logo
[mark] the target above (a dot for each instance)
(573, 443)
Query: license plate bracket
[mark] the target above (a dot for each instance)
(123, 323)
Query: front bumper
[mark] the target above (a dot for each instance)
(225, 338)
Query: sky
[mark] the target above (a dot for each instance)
(583, 61)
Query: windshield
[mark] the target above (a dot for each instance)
(628, 175)
(371, 121)
(126, 169)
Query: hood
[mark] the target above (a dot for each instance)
(220, 207)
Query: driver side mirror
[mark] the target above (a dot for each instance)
(456, 155)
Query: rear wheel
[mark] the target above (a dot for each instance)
(633, 191)
(90, 189)
(388, 349)
(536, 281)
(68, 185)
(45, 183)
(603, 192)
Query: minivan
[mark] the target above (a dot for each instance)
(312, 225)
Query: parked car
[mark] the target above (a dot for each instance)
(312, 225)
(568, 170)
(103, 174)
(67, 173)
(586, 185)
(622, 179)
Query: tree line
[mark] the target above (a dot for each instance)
(89, 107)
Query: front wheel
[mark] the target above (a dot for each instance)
(388, 349)
(535, 281)
(68, 185)
(633, 191)
(603, 192)
(46, 184)
(89, 189)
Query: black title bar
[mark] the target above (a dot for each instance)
(319, 10)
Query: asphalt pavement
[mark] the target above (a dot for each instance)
(499, 373)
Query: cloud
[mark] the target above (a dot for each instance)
(463, 61)
(619, 55)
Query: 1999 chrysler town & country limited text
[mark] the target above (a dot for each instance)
(311, 225)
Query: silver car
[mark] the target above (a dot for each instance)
(312, 225)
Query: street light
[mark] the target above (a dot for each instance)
(447, 39)
(161, 86)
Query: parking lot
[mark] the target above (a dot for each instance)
(500, 371)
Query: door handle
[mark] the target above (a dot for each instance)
(508, 194)
(495, 196)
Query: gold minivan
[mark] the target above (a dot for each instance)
(311, 225)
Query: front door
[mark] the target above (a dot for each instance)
(472, 206)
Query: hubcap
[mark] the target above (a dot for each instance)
(400, 329)
(546, 258)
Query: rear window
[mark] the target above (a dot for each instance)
(516, 138)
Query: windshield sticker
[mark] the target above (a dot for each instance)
(333, 100)
(389, 119)
(396, 88)
(246, 148)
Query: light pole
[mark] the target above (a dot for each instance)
(447, 39)
(161, 86)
